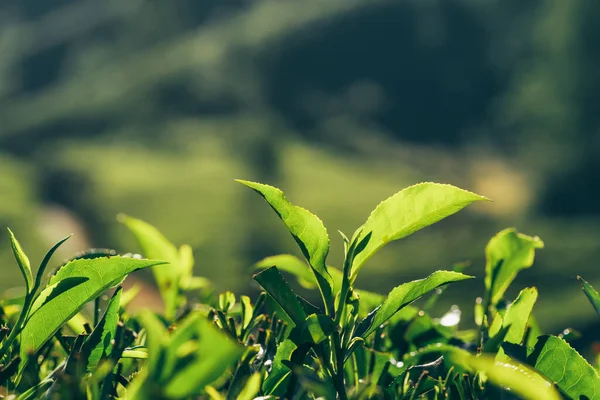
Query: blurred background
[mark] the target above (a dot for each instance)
(152, 108)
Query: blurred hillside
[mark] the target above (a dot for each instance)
(153, 108)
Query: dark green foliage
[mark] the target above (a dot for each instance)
(353, 345)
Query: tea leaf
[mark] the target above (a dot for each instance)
(99, 344)
(510, 374)
(558, 361)
(274, 284)
(279, 371)
(22, 261)
(210, 356)
(308, 231)
(591, 294)
(156, 246)
(406, 212)
(99, 274)
(506, 254)
(251, 388)
(516, 317)
(403, 295)
(292, 265)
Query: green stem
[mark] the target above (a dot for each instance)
(338, 379)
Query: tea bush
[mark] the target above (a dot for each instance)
(354, 344)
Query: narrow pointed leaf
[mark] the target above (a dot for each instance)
(403, 295)
(506, 254)
(406, 212)
(274, 284)
(308, 231)
(591, 294)
(562, 364)
(22, 261)
(99, 344)
(101, 274)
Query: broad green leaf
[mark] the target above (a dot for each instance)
(101, 274)
(22, 261)
(591, 294)
(507, 374)
(55, 289)
(560, 363)
(99, 344)
(403, 295)
(156, 246)
(406, 212)
(308, 231)
(516, 317)
(181, 366)
(506, 254)
(210, 354)
(274, 284)
(279, 372)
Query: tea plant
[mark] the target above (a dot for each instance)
(354, 344)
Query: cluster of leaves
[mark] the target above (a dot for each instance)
(353, 345)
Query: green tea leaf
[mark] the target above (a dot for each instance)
(406, 212)
(182, 365)
(210, 354)
(292, 265)
(563, 365)
(247, 311)
(22, 261)
(251, 388)
(100, 274)
(99, 344)
(506, 254)
(274, 284)
(308, 231)
(317, 328)
(156, 246)
(516, 316)
(591, 294)
(508, 374)
(403, 295)
(279, 372)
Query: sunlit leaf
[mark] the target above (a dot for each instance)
(506, 254)
(308, 231)
(516, 316)
(403, 295)
(507, 374)
(563, 365)
(99, 344)
(156, 246)
(406, 212)
(22, 261)
(251, 388)
(100, 274)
